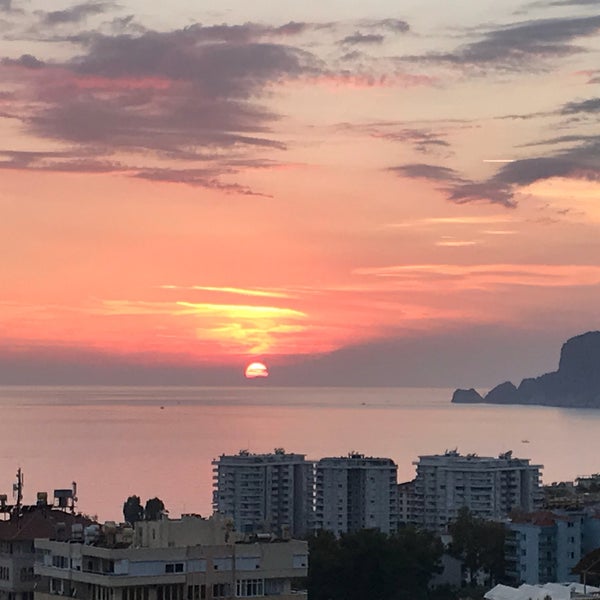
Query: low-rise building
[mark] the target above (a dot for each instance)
(542, 547)
(22, 525)
(183, 559)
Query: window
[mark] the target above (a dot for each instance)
(60, 562)
(174, 568)
(248, 588)
(136, 593)
(4, 573)
(169, 592)
(220, 590)
(196, 592)
(299, 561)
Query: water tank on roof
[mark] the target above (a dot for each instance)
(62, 497)
(91, 534)
(77, 532)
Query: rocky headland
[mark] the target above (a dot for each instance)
(575, 384)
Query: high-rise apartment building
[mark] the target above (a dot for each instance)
(271, 492)
(356, 492)
(489, 487)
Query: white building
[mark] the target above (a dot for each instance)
(185, 559)
(268, 492)
(548, 591)
(356, 492)
(489, 487)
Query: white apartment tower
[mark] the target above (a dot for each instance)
(269, 492)
(356, 492)
(489, 487)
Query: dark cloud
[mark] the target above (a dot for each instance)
(205, 178)
(562, 139)
(76, 14)
(222, 69)
(425, 171)
(73, 162)
(569, 3)
(422, 141)
(579, 162)
(363, 38)
(394, 25)
(193, 94)
(580, 107)
(519, 45)
(591, 105)
(25, 60)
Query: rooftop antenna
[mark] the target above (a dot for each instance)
(18, 491)
(74, 498)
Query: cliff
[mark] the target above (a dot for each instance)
(575, 384)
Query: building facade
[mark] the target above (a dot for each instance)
(185, 559)
(356, 492)
(23, 524)
(265, 492)
(489, 487)
(545, 546)
(406, 503)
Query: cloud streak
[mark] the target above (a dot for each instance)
(76, 14)
(517, 46)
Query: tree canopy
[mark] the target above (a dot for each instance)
(371, 564)
(154, 509)
(133, 510)
(479, 543)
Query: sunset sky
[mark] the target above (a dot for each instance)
(383, 192)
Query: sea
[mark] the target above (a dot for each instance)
(159, 441)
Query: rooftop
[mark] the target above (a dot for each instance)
(40, 522)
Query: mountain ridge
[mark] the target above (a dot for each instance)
(576, 383)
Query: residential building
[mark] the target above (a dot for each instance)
(547, 591)
(406, 503)
(545, 546)
(17, 534)
(265, 492)
(184, 559)
(489, 487)
(356, 492)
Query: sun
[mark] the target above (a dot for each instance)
(256, 369)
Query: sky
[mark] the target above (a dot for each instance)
(381, 193)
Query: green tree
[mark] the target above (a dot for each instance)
(370, 564)
(479, 544)
(154, 509)
(324, 567)
(133, 510)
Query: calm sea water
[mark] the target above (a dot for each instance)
(118, 441)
